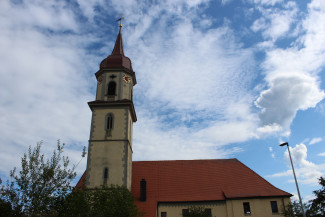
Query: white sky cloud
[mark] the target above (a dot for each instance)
(225, 1)
(286, 95)
(272, 152)
(307, 172)
(276, 23)
(45, 86)
(291, 75)
(267, 2)
(315, 140)
(321, 108)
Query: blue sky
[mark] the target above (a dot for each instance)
(216, 79)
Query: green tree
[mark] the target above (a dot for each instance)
(317, 207)
(294, 209)
(41, 183)
(42, 188)
(113, 201)
(6, 209)
(197, 211)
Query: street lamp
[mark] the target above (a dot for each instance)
(294, 175)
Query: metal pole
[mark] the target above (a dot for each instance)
(294, 175)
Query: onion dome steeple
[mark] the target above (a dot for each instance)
(117, 59)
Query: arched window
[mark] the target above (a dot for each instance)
(111, 90)
(109, 121)
(105, 175)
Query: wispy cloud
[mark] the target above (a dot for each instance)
(322, 154)
(272, 152)
(315, 140)
(306, 171)
(44, 86)
(267, 2)
(193, 84)
(275, 23)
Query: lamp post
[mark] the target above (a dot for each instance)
(294, 175)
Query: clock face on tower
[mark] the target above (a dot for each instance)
(126, 79)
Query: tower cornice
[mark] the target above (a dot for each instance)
(114, 104)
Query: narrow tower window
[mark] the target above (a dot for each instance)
(109, 121)
(105, 176)
(111, 91)
(143, 190)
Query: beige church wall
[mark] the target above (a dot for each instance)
(99, 90)
(260, 207)
(130, 129)
(106, 154)
(100, 85)
(129, 137)
(119, 130)
(129, 178)
(218, 208)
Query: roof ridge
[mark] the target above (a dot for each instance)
(191, 160)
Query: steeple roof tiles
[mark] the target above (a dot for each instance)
(117, 59)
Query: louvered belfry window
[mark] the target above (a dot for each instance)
(111, 91)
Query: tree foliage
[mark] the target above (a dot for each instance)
(43, 188)
(114, 201)
(294, 209)
(36, 189)
(197, 211)
(317, 206)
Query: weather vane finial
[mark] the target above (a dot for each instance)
(120, 20)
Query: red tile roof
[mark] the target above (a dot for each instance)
(81, 182)
(196, 180)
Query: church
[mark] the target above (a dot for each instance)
(223, 187)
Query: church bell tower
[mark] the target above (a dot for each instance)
(113, 114)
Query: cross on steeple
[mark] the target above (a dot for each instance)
(120, 20)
